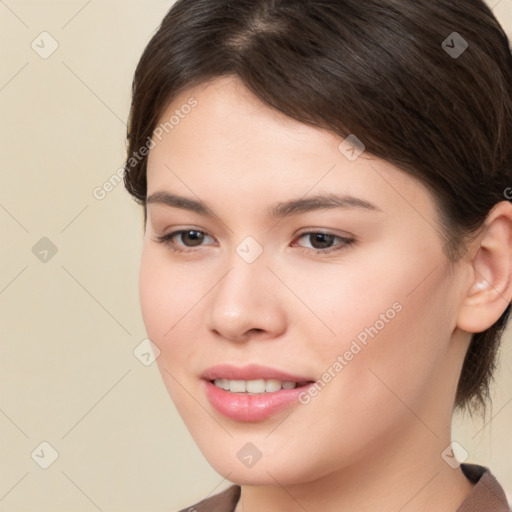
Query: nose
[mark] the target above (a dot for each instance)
(247, 302)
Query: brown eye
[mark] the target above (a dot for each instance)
(183, 239)
(324, 243)
(194, 237)
(321, 240)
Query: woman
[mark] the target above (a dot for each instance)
(326, 265)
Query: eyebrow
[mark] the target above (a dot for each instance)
(278, 210)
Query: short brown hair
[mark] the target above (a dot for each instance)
(379, 69)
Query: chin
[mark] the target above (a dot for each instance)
(266, 471)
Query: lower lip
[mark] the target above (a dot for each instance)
(246, 407)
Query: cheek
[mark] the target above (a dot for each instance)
(165, 289)
(152, 295)
(340, 301)
(383, 328)
(170, 299)
(162, 297)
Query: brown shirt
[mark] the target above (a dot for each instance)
(486, 496)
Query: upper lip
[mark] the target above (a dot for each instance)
(250, 372)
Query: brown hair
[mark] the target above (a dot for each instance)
(384, 70)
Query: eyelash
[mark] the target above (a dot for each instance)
(167, 240)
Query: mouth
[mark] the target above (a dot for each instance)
(257, 386)
(257, 377)
(252, 392)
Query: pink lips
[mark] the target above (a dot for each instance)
(250, 372)
(247, 407)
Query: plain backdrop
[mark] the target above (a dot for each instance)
(69, 312)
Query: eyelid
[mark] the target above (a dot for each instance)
(347, 240)
(166, 239)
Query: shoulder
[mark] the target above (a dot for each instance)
(487, 494)
(224, 501)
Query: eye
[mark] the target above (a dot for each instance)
(321, 242)
(189, 238)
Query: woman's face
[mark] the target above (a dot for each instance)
(355, 295)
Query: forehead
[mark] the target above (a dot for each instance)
(228, 116)
(231, 146)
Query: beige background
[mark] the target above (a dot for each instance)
(69, 325)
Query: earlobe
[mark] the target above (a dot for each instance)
(490, 287)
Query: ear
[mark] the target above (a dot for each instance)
(489, 288)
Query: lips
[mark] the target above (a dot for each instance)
(251, 372)
(248, 407)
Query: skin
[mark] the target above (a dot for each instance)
(372, 439)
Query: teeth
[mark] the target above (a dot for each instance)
(254, 386)
(272, 385)
(237, 386)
